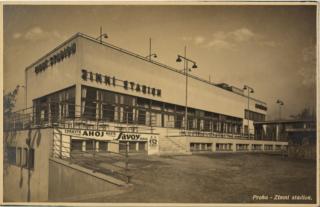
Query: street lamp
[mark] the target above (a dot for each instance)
(104, 35)
(150, 53)
(250, 90)
(280, 104)
(186, 70)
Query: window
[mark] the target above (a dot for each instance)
(115, 107)
(103, 146)
(142, 146)
(242, 147)
(278, 147)
(89, 145)
(223, 147)
(132, 146)
(55, 106)
(76, 145)
(254, 116)
(200, 147)
(31, 158)
(122, 146)
(18, 157)
(24, 158)
(11, 155)
(257, 147)
(268, 147)
(89, 102)
(142, 116)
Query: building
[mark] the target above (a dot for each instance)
(300, 134)
(85, 83)
(90, 96)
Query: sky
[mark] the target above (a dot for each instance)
(270, 48)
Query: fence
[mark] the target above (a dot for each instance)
(127, 117)
(111, 163)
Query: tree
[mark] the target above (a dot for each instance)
(9, 101)
(305, 114)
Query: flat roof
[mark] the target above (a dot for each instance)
(137, 56)
(285, 121)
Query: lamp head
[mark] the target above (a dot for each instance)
(244, 87)
(252, 91)
(194, 65)
(178, 59)
(105, 35)
(155, 55)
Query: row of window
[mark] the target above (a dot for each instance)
(109, 106)
(228, 147)
(223, 147)
(254, 116)
(103, 146)
(55, 106)
(97, 104)
(19, 156)
(200, 147)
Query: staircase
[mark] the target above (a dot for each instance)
(171, 145)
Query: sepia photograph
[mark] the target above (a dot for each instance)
(158, 103)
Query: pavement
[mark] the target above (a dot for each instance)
(217, 178)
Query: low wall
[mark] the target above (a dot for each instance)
(70, 182)
(302, 151)
(19, 184)
(234, 142)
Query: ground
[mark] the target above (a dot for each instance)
(217, 178)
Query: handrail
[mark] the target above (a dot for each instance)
(62, 149)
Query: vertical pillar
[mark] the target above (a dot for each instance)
(83, 145)
(97, 146)
(277, 132)
(78, 101)
(234, 147)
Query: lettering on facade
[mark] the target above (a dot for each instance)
(56, 58)
(112, 81)
(92, 133)
(73, 131)
(153, 141)
(262, 107)
(131, 137)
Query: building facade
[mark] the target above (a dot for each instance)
(84, 79)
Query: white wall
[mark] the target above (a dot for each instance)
(104, 60)
(97, 58)
(59, 76)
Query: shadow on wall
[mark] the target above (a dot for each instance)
(15, 139)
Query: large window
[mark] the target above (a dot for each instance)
(115, 107)
(254, 116)
(55, 107)
(89, 101)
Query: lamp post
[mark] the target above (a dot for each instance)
(150, 53)
(186, 70)
(249, 90)
(104, 35)
(280, 105)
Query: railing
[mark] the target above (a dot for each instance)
(115, 164)
(197, 133)
(118, 118)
